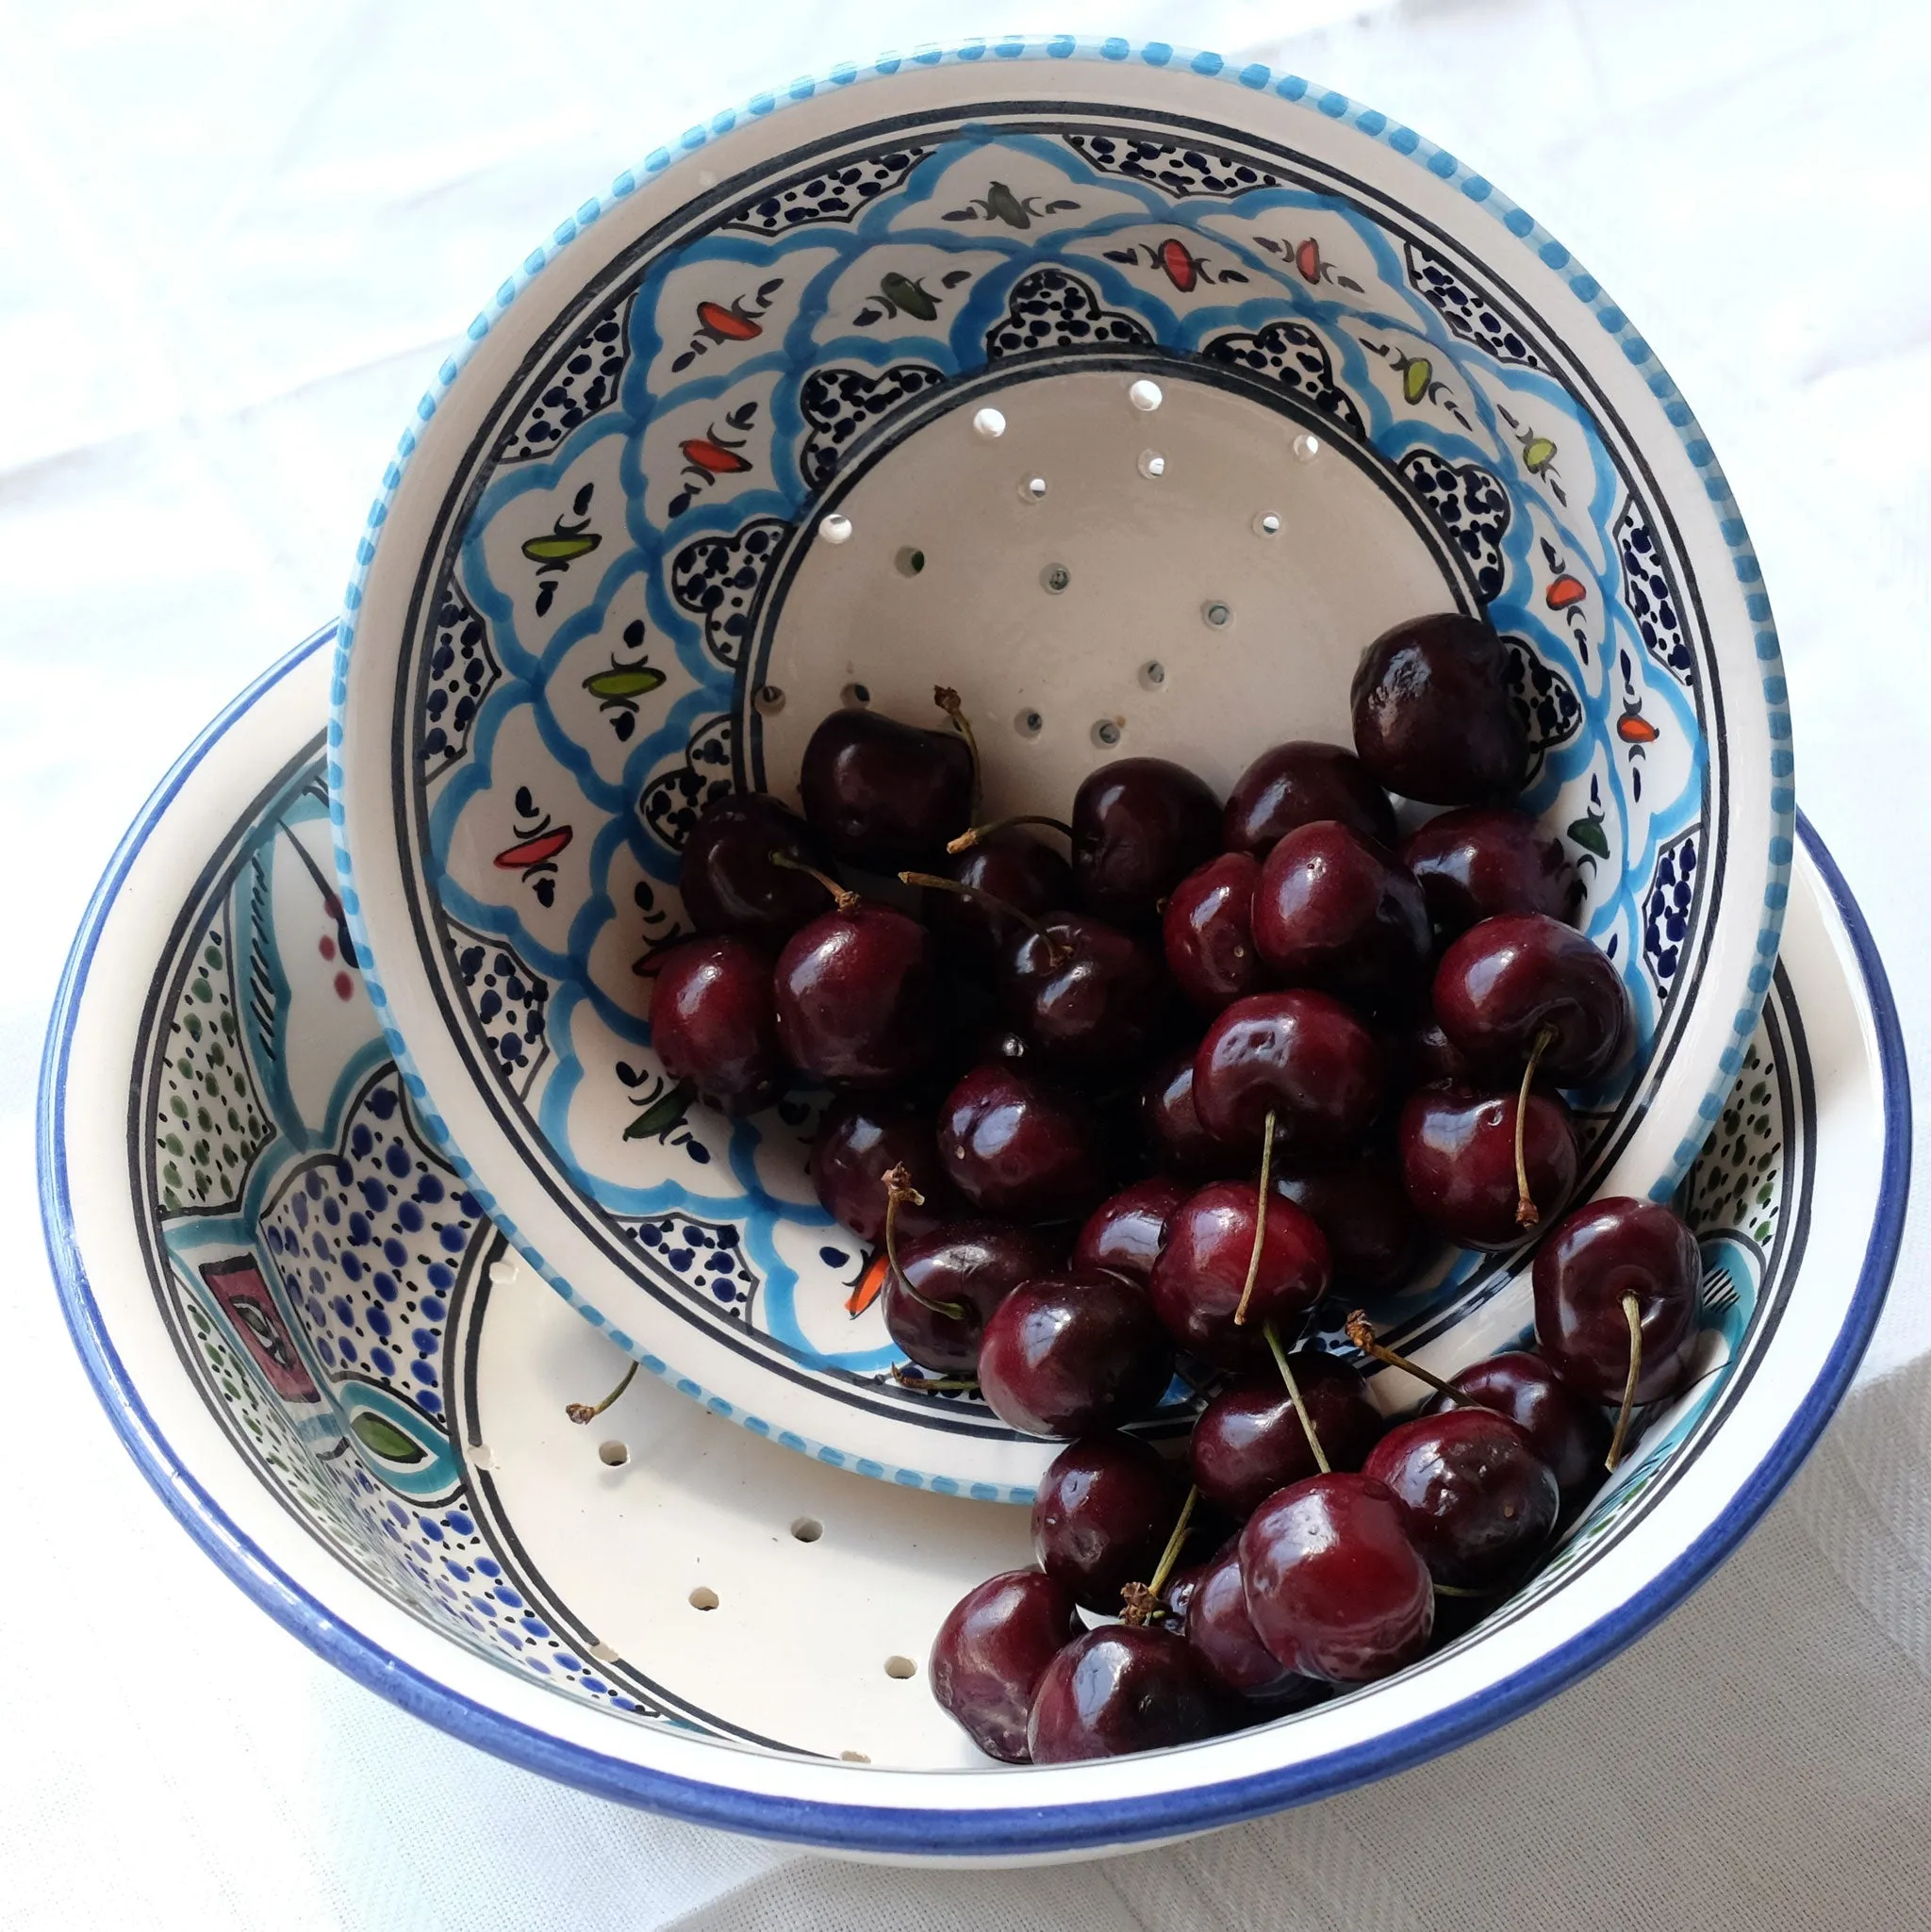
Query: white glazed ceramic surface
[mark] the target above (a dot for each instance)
(1129, 396)
(352, 1392)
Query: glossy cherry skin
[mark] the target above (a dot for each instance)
(857, 997)
(1375, 1239)
(1020, 1146)
(1208, 936)
(860, 1139)
(1172, 1126)
(1335, 910)
(1103, 1513)
(883, 793)
(1196, 1284)
(1087, 995)
(1485, 860)
(1421, 1054)
(1140, 825)
(1249, 1442)
(1457, 1162)
(1296, 783)
(1433, 720)
(967, 1264)
(1126, 1232)
(1117, 1689)
(1481, 1502)
(1010, 867)
(730, 884)
(1228, 1650)
(1301, 1055)
(1568, 1431)
(1590, 1262)
(713, 1022)
(1069, 1355)
(1507, 979)
(991, 1652)
(1335, 1585)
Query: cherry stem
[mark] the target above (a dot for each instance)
(978, 833)
(898, 1188)
(1455, 1590)
(1240, 1313)
(1143, 1599)
(1632, 1313)
(1056, 951)
(1363, 1336)
(1294, 1396)
(1526, 1212)
(590, 1412)
(907, 1381)
(953, 706)
(842, 895)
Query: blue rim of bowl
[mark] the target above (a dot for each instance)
(1033, 1828)
(1254, 77)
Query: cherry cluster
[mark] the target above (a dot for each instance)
(1136, 1108)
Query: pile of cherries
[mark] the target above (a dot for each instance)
(1138, 1108)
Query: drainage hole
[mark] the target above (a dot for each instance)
(807, 1530)
(900, 1667)
(703, 1597)
(855, 696)
(909, 561)
(616, 1454)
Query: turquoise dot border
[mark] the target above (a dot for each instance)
(1256, 78)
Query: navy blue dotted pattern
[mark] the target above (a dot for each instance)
(583, 381)
(1291, 354)
(672, 800)
(717, 580)
(1181, 171)
(1666, 907)
(510, 1002)
(832, 194)
(462, 668)
(1467, 311)
(707, 1255)
(1471, 506)
(1651, 601)
(1051, 309)
(838, 402)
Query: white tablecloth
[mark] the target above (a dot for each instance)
(234, 240)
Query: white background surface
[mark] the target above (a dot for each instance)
(234, 242)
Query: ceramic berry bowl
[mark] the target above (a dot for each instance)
(1125, 394)
(352, 1394)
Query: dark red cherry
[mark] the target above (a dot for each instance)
(1507, 980)
(969, 1266)
(1335, 1585)
(1296, 783)
(857, 996)
(883, 793)
(730, 884)
(861, 1138)
(1005, 865)
(1230, 1653)
(1335, 910)
(1249, 1442)
(1591, 1260)
(1020, 1146)
(1140, 825)
(1375, 1240)
(1567, 1431)
(1300, 1055)
(991, 1652)
(1082, 991)
(1171, 1125)
(713, 1023)
(1457, 1162)
(1126, 1232)
(1483, 860)
(1481, 1502)
(1207, 932)
(1198, 1281)
(1103, 1513)
(1433, 720)
(1179, 1592)
(1421, 1054)
(1070, 1355)
(1120, 1689)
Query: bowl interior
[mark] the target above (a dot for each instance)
(1134, 429)
(391, 1374)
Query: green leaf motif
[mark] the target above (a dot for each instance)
(1588, 833)
(384, 1438)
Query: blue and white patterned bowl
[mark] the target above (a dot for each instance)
(352, 1393)
(1127, 393)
